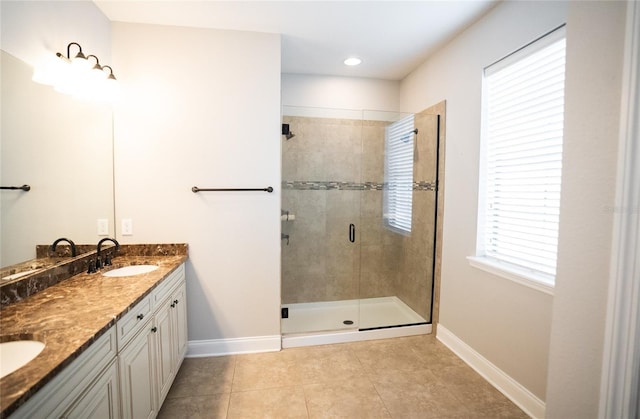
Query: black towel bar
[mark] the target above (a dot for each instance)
(196, 189)
(25, 188)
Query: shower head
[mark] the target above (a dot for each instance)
(408, 136)
(286, 132)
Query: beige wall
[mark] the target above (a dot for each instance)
(595, 40)
(190, 116)
(31, 30)
(340, 92)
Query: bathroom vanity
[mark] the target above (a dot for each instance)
(113, 344)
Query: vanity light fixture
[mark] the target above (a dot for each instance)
(352, 61)
(77, 77)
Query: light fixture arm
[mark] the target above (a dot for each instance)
(111, 76)
(97, 66)
(79, 54)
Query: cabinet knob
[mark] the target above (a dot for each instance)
(173, 305)
(154, 329)
(175, 302)
(140, 316)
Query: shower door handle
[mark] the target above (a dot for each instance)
(352, 233)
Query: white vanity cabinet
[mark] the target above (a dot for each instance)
(149, 361)
(127, 372)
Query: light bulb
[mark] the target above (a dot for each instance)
(49, 70)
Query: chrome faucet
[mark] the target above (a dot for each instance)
(62, 239)
(99, 263)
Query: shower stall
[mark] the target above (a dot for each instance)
(358, 224)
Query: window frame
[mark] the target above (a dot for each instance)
(526, 276)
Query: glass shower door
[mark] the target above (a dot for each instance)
(321, 172)
(396, 278)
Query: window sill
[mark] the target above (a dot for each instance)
(520, 276)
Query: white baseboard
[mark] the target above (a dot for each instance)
(517, 393)
(218, 347)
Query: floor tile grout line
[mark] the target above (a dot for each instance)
(380, 396)
(233, 378)
(306, 402)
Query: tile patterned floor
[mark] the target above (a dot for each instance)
(412, 377)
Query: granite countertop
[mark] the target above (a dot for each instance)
(68, 317)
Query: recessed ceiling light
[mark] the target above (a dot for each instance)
(351, 61)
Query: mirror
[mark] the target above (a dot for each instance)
(63, 149)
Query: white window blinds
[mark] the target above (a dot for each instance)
(398, 172)
(523, 130)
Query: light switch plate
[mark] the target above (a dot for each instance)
(127, 227)
(103, 227)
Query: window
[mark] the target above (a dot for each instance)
(398, 173)
(521, 165)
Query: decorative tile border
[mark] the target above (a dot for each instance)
(302, 185)
(424, 185)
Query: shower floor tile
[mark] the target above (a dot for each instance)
(365, 314)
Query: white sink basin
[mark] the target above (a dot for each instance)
(17, 353)
(131, 270)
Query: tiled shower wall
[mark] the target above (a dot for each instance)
(333, 171)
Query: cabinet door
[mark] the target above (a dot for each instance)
(101, 400)
(137, 376)
(164, 349)
(179, 314)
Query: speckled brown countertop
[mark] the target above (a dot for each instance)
(69, 316)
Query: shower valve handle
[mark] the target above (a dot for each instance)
(352, 233)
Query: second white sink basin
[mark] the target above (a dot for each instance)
(131, 270)
(17, 353)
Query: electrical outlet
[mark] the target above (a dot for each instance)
(103, 227)
(127, 227)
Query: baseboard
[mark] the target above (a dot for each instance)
(218, 347)
(517, 393)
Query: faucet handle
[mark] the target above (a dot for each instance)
(99, 264)
(107, 260)
(92, 267)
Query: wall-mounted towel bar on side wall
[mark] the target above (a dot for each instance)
(195, 189)
(25, 188)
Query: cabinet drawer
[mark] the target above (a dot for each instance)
(133, 321)
(167, 286)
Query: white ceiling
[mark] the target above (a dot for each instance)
(391, 37)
